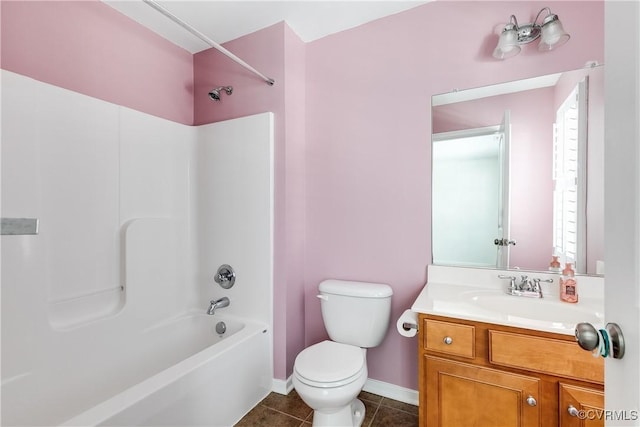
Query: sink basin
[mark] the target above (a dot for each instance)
(537, 310)
(478, 294)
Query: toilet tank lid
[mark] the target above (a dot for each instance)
(355, 289)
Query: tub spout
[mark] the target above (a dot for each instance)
(215, 304)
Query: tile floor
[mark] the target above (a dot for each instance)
(277, 410)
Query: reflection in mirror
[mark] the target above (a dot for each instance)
(518, 174)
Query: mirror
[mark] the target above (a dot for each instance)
(518, 174)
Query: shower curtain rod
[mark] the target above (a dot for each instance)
(207, 40)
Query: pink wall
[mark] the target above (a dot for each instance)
(531, 192)
(368, 141)
(295, 156)
(278, 53)
(88, 47)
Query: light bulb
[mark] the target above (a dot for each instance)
(507, 44)
(552, 33)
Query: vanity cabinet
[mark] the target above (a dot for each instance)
(461, 394)
(486, 375)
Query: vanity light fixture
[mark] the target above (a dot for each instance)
(550, 32)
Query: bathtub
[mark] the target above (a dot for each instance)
(216, 378)
(189, 376)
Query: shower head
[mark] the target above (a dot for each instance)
(215, 93)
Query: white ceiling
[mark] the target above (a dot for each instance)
(222, 20)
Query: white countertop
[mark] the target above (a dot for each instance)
(479, 295)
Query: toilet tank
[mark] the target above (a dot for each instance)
(355, 313)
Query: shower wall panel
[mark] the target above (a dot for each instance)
(62, 167)
(86, 168)
(235, 212)
(154, 197)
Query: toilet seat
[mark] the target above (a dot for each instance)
(330, 364)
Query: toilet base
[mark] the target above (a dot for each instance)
(351, 415)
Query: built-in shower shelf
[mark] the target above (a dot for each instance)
(19, 226)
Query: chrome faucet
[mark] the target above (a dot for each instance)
(525, 284)
(526, 287)
(219, 303)
(512, 283)
(536, 285)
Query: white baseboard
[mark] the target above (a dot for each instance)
(282, 386)
(391, 391)
(380, 388)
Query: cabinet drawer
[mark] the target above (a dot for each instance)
(546, 355)
(449, 338)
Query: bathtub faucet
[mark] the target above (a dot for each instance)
(219, 303)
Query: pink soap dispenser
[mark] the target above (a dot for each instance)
(568, 285)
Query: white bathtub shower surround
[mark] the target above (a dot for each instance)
(74, 184)
(51, 374)
(98, 309)
(85, 168)
(235, 187)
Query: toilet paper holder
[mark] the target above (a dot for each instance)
(408, 326)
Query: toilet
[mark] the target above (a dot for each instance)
(329, 375)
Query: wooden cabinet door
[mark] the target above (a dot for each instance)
(459, 394)
(581, 407)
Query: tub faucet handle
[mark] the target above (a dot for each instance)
(219, 303)
(225, 276)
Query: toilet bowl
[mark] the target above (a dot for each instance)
(328, 376)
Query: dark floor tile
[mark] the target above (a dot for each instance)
(261, 416)
(289, 411)
(389, 417)
(369, 412)
(370, 409)
(365, 395)
(310, 417)
(291, 404)
(406, 407)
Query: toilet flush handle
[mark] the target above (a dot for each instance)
(323, 297)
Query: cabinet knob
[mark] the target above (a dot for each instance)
(531, 401)
(572, 411)
(447, 340)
